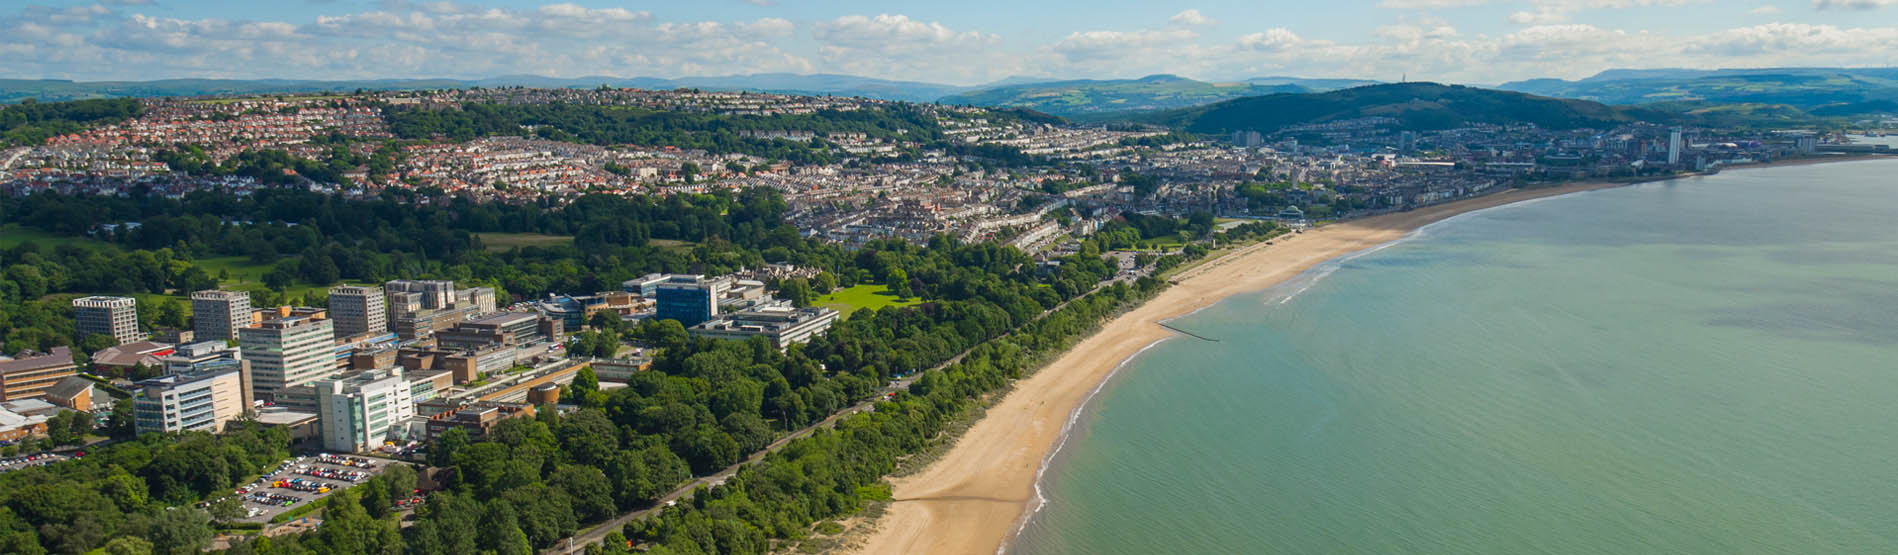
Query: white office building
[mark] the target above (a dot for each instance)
(288, 352)
(358, 309)
(200, 399)
(360, 411)
(114, 316)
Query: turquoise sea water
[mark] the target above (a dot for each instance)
(1706, 365)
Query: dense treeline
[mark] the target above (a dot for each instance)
(833, 472)
(136, 491)
(31, 123)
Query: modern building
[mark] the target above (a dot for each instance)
(216, 315)
(690, 299)
(113, 316)
(200, 399)
(783, 326)
(358, 309)
(418, 309)
(645, 286)
(288, 352)
(465, 366)
(29, 377)
(359, 412)
(1674, 146)
(501, 328)
(208, 355)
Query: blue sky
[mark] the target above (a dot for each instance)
(960, 42)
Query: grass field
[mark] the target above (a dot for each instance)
(497, 242)
(12, 235)
(861, 297)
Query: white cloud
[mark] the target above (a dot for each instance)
(1430, 4)
(1851, 4)
(1764, 10)
(1189, 18)
(895, 45)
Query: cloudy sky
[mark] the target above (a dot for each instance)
(960, 42)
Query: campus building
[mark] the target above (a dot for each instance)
(113, 316)
(29, 377)
(783, 326)
(202, 398)
(690, 299)
(288, 352)
(358, 309)
(360, 411)
(216, 315)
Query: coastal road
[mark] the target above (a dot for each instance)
(597, 533)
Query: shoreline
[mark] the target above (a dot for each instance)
(979, 494)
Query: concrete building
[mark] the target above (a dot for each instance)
(205, 355)
(504, 328)
(200, 399)
(216, 315)
(288, 352)
(29, 377)
(114, 316)
(359, 412)
(358, 309)
(1674, 146)
(477, 417)
(646, 286)
(418, 309)
(690, 299)
(125, 356)
(781, 325)
(15, 426)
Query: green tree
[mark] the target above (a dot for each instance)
(180, 529)
(129, 545)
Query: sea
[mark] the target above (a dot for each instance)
(1701, 365)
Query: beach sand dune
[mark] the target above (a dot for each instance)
(973, 498)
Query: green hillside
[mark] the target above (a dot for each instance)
(1827, 91)
(1417, 106)
(1155, 92)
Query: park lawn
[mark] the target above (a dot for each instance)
(861, 297)
(498, 242)
(12, 235)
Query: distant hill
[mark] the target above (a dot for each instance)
(1083, 97)
(53, 90)
(1416, 106)
(1827, 91)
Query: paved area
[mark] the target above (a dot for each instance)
(25, 461)
(304, 480)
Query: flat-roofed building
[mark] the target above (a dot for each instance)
(113, 316)
(28, 377)
(505, 328)
(216, 315)
(203, 398)
(360, 411)
(690, 299)
(783, 326)
(478, 417)
(288, 352)
(358, 309)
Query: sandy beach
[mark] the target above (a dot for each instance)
(972, 499)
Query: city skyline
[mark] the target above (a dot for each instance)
(1462, 41)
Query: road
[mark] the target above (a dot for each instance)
(596, 534)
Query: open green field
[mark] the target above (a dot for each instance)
(861, 297)
(12, 235)
(497, 242)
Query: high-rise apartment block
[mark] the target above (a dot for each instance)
(358, 309)
(114, 316)
(288, 352)
(216, 315)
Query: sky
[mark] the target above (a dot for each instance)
(962, 42)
